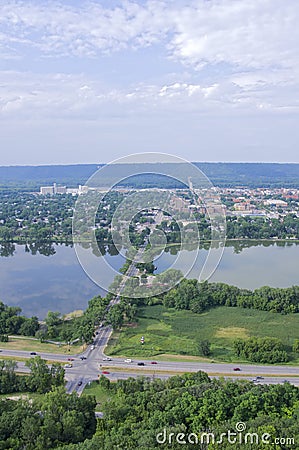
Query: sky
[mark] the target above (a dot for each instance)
(92, 81)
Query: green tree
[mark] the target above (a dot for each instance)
(204, 348)
(42, 378)
(296, 346)
(115, 316)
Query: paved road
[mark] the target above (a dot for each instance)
(86, 370)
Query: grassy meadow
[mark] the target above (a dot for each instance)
(172, 332)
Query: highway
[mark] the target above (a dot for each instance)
(85, 370)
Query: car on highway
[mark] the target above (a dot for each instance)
(107, 359)
(33, 353)
(82, 357)
(259, 378)
(105, 372)
(80, 383)
(140, 364)
(128, 360)
(70, 359)
(68, 366)
(92, 347)
(236, 369)
(154, 362)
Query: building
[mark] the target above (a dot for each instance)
(51, 190)
(47, 190)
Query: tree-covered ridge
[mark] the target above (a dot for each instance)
(137, 410)
(193, 403)
(46, 423)
(221, 174)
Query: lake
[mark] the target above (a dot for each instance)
(40, 278)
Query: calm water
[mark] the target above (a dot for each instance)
(50, 277)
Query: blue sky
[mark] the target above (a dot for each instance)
(90, 81)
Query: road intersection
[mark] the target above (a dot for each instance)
(86, 370)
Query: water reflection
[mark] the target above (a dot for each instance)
(49, 248)
(7, 249)
(47, 276)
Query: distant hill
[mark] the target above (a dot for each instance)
(221, 174)
(32, 177)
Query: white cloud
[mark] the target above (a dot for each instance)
(56, 28)
(30, 95)
(250, 33)
(244, 52)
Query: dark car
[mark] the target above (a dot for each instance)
(105, 372)
(154, 362)
(33, 353)
(82, 357)
(237, 369)
(70, 359)
(140, 364)
(80, 383)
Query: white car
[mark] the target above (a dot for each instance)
(68, 366)
(92, 347)
(128, 360)
(107, 359)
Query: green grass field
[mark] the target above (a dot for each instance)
(101, 394)
(29, 344)
(171, 332)
(22, 396)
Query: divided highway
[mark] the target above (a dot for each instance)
(89, 365)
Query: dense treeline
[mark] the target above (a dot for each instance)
(236, 228)
(261, 350)
(11, 322)
(198, 297)
(142, 413)
(49, 422)
(76, 329)
(42, 378)
(193, 403)
(262, 227)
(239, 228)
